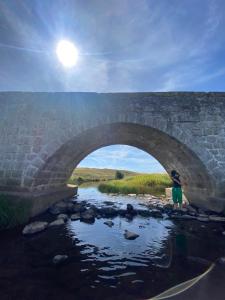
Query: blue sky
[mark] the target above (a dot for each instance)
(124, 46)
(124, 158)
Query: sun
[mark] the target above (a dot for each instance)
(67, 53)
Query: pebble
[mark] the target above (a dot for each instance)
(59, 259)
(109, 223)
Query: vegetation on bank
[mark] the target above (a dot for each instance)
(82, 175)
(13, 211)
(154, 184)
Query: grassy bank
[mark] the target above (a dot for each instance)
(154, 184)
(13, 211)
(81, 175)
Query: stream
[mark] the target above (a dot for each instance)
(103, 264)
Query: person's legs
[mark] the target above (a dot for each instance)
(179, 197)
(174, 196)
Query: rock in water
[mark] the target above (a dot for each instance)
(203, 219)
(34, 227)
(130, 235)
(61, 208)
(108, 211)
(88, 216)
(78, 208)
(191, 209)
(155, 213)
(130, 208)
(57, 222)
(62, 216)
(59, 259)
(75, 217)
(109, 223)
(221, 260)
(216, 218)
(184, 209)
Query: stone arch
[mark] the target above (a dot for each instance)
(170, 152)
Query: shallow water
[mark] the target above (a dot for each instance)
(102, 264)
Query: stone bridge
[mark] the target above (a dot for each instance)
(43, 137)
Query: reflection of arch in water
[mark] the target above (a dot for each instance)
(170, 152)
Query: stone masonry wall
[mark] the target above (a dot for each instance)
(34, 126)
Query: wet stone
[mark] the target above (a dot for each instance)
(61, 208)
(62, 216)
(187, 217)
(221, 261)
(88, 216)
(75, 217)
(78, 208)
(191, 209)
(129, 216)
(202, 219)
(216, 218)
(144, 213)
(34, 227)
(156, 213)
(109, 223)
(137, 281)
(108, 211)
(58, 259)
(129, 235)
(57, 222)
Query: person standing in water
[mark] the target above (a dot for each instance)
(176, 190)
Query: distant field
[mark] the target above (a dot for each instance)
(154, 184)
(91, 174)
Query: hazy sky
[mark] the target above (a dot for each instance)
(124, 45)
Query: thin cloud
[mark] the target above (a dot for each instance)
(125, 45)
(122, 157)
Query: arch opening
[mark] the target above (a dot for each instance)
(171, 154)
(121, 162)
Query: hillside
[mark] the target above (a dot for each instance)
(93, 174)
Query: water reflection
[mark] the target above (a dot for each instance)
(161, 247)
(105, 244)
(99, 257)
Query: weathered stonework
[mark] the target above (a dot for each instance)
(43, 136)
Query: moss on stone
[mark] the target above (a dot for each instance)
(13, 211)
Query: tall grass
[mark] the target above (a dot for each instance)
(154, 184)
(13, 211)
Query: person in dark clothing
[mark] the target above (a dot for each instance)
(176, 190)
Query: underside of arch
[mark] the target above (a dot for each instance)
(171, 153)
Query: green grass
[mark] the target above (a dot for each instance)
(81, 175)
(13, 211)
(154, 184)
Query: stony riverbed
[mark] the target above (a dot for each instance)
(82, 251)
